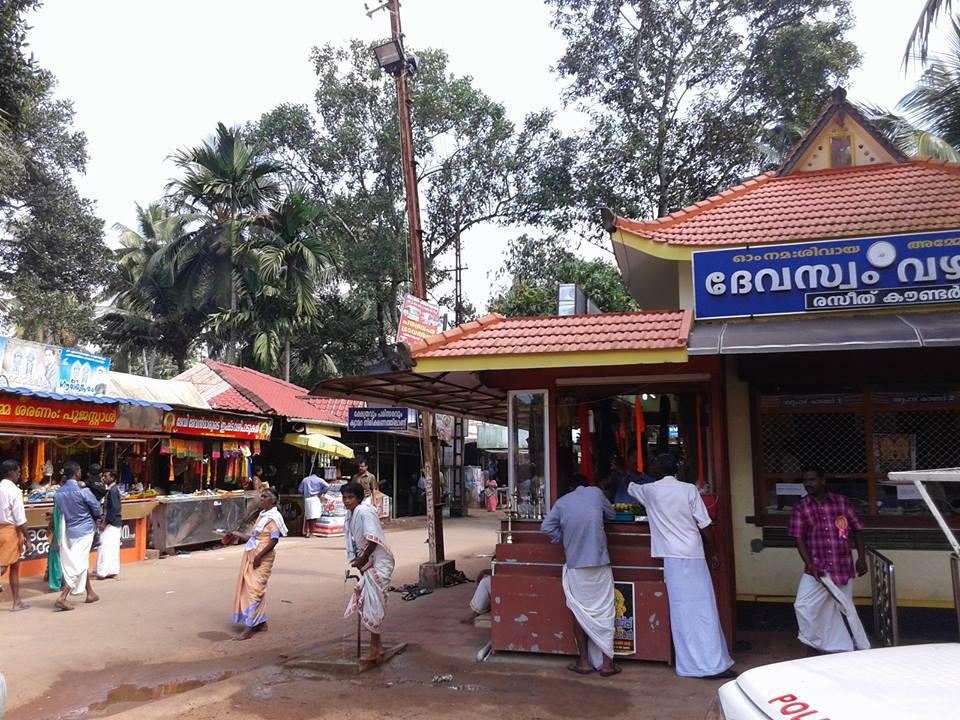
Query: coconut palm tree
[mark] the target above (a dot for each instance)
(228, 181)
(929, 123)
(148, 313)
(920, 37)
(285, 263)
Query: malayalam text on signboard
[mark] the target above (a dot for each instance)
(216, 426)
(52, 413)
(865, 274)
(419, 319)
(377, 419)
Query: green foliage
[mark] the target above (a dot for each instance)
(52, 256)
(678, 93)
(474, 166)
(928, 124)
(539, 265)
(150, 316)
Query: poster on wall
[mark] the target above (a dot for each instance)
(625, 629)
(82, 373)
(30, 365)
(419, 319)
(894, 452)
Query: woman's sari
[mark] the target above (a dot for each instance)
(249, 605)
(54, 571)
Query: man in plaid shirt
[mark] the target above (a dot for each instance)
(822, 524)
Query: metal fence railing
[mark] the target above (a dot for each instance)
(883, 590)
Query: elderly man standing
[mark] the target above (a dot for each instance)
(679, 530)
(13, 528)
(80, 512)
(576, 521)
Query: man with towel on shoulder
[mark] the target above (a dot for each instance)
(312, 487)
(679, 530)
(576, 521)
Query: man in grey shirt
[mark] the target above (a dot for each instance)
(576, 521)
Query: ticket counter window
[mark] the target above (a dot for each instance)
(529, 469)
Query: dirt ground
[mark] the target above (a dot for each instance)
(158, 646)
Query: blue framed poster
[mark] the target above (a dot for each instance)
(367, 419)
(891, 271)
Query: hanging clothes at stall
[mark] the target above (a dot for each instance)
(586, 451)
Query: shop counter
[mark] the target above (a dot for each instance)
(529, 612)
(133, 537)
(182, 520)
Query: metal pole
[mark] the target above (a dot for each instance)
(935, 511)
(434, 516)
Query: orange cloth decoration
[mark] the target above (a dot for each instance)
(640, 426)
(25, 459)
(40, 460)
(586, 459)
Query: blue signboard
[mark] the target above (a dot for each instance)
(377, 419)
(864, 274)
(82, 373)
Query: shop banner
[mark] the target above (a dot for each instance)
(82, 373)
(625, 629)
(39, 538)
(377, 419)
(30, 365)
(216, 426)
(886, 272)
(57, 413)
(419, 319)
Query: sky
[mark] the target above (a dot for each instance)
(150, 76)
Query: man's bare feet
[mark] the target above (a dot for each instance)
(92, 598)
(62, 606)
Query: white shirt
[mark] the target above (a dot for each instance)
(11, 504)
(676, 513)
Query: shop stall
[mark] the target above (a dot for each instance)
(581, 395)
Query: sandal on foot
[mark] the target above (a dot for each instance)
(573, 667)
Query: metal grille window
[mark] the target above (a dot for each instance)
(857, 438)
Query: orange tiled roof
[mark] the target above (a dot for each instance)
(497, 335)
(916, 196)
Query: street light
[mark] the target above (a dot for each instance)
(390, 57)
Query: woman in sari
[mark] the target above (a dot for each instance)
(249, 606)
(368, 552)
(490, 495)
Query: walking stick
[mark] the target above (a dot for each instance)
(346, 578)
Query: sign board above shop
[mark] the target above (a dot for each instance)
(884, 272)
(216, 426)
(49, 368)
(86, 416)
(364, 419)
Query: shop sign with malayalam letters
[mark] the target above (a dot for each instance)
(884, 272)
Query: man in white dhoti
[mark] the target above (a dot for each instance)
(111, 530)
(367, 550)
(576, 521)
(679, 530)
(822, 524)
(312, 488)
(79, 512)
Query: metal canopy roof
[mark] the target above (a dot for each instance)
(453, 393)
(811, 334)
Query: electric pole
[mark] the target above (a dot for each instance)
(434, 496)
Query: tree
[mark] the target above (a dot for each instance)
(920, 36)
(289, 263)
(149, 314)
(538, 267)
(929, 121)
(678, 93)
(228, 180)
(473, 164)
(52, 256)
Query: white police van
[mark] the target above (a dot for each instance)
(915, 682)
